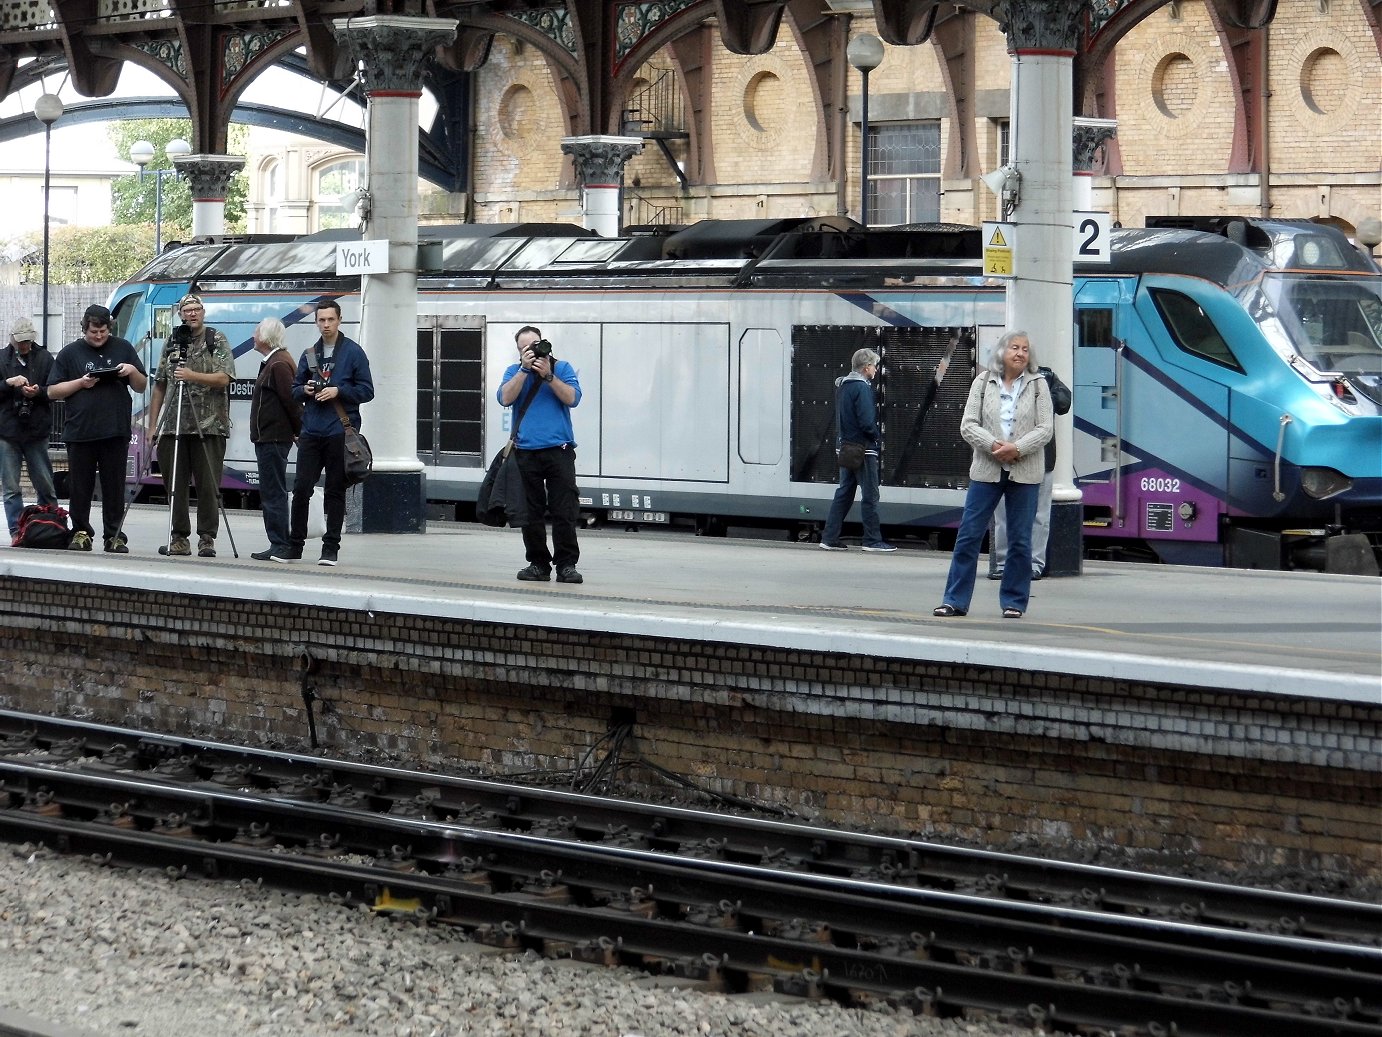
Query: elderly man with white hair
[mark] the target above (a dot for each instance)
(275, 421)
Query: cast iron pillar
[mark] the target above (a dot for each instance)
(209, 178)
(391, 53)
(1042, 39)
(600, 161)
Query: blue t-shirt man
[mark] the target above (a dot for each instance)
(546, 452)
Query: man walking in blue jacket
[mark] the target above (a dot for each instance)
(856, 421)
(334, 372)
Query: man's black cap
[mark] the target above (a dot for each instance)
(96, 315)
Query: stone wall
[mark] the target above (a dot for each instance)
(1070, 765)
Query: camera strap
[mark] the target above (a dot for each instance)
(530, 394)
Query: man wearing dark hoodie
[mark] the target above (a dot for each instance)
(856, 421)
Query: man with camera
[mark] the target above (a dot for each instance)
(546, 449)
(26, 420)
(333, 376)
(198, 366)
(95, 374)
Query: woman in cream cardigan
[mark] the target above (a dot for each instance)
(1007, 421)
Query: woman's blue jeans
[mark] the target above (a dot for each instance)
(1020, 499)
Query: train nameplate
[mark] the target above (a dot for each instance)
(1160, 518)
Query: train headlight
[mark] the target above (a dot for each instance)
(1323, 483)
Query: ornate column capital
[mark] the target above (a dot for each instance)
(391, 50)
(208, 175)
(1042, 24)
(600, 159)
(1089, 137)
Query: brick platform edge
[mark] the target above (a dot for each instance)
(1062, 764)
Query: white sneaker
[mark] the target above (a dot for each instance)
(879, 548)
(833, 547)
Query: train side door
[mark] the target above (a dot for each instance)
(1098, 406)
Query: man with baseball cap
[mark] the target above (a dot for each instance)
(192, 376)
(95, 374)
(26, 420)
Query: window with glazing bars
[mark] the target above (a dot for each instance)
(904, 173)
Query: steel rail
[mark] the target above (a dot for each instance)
(546, 923)
(903, 861)
(1282, 968)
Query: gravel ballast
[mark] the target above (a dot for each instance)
(109, 951)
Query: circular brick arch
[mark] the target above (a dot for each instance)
(1329, 72)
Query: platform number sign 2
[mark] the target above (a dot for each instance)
(1092, 232)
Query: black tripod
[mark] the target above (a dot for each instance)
(170, 480)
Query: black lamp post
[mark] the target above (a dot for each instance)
(865, 52)
(47, 110)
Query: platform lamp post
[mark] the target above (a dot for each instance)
(141, 154)
(47, 110)
(865, 52)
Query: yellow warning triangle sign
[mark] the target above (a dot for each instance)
(998, 241)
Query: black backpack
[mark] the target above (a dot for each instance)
(43, 525)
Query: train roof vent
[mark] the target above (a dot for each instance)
(1238, 229)
(743, 239)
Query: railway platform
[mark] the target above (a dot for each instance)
(1297, 633)
(1231, 717)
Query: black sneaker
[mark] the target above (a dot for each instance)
(570, 575)
(328, 556)
(286, 554)
(117, 545)
(533, 574)
(264, 555)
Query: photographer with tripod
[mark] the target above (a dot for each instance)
(198, 364)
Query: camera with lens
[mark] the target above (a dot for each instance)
(541, 348)
(23, 406)
(313, 385)
(179, 342)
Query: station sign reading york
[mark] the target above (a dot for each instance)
(362, 257)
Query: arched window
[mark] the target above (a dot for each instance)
(332, 183)
(273, 197)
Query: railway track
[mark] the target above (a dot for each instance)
(732, 903)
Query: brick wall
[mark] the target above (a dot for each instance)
(1008, 758)
(1175, 106)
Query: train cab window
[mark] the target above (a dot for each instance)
(1192, 330)
(1096, 327)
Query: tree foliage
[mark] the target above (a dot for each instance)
(87, 255)
(134, 199)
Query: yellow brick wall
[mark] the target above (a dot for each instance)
(1175, 108)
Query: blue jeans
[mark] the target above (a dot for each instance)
(865, 479)
(1041, 531)
(1020, 500)
(34, 453)
(273, 490)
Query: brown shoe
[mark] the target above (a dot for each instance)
(178, 546)
(206, 546)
